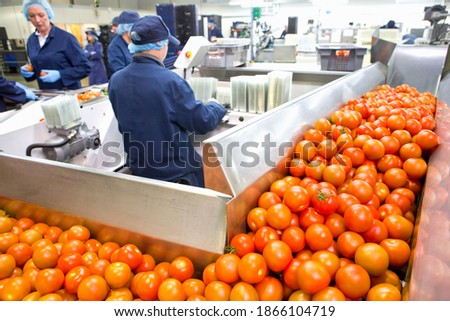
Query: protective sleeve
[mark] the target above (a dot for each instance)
(9, 90)
(194, 115)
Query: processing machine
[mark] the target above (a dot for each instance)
(166, 219)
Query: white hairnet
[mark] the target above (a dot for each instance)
(42, 3)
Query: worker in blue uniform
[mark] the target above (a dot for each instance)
(118, 54)
(156, 110)
(213, 31)
(56, 56)
(15, 92)
(94, 53)
(114, 27)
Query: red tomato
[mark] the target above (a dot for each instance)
(92, 245)
(209, 273)
(147, 285)
(243, 291)
(358, 218)
(15, 289)
(49, 280)
(313, 276)
(297, 198)
(384, 292)
(74, 277)
(318, 237)
(348, 242)
(269, 289)
(21, 252)
(78, 232)
(329, 260)
(335, 224)
(241, 244)
(353, 280)
(107, 249)
(252, 268)
(93, 288)
(181, 268)
(68, 261)
(217, 291)
(267, 199)
(193, 287)
(277, 255)
(297, 167)
(99, 267)
(256, 218)
(309, 216)
(226, 268)
(171, 289)
(45, 256)
(361, 190)
(279, 216)
(279, 187)
(373, 258)
(290, 274)
(294, 237)
(330, 293)
(147, 264)
(325, 201)
(377, 233)
(131, 255)
(263, 236)
(305, 150)
(398, 227)
(117, 275)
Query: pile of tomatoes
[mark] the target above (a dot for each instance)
(45, 263)
(88, 95)
(339, 226)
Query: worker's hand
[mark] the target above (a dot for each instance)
(25, 73)
(28, 92)
(213, 99)
(51, 75)
(86, 53)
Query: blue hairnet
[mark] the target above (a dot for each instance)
(93, 33)
(148, 46)
(124, 27)
(42, 3)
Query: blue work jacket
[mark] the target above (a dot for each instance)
(9, 90)
(216, 32)
(118, 54)
(61, 51)
(94, 53)
(156, 110)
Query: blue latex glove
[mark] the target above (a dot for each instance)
(93, 53)
(28, 92)
(86, 53)
(25, 73)
(51, 76)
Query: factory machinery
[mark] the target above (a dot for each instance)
(167, 219)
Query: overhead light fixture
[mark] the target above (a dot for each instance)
(328, 3)
(251, 3)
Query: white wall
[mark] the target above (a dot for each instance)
(18, 28)
(369, 13)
